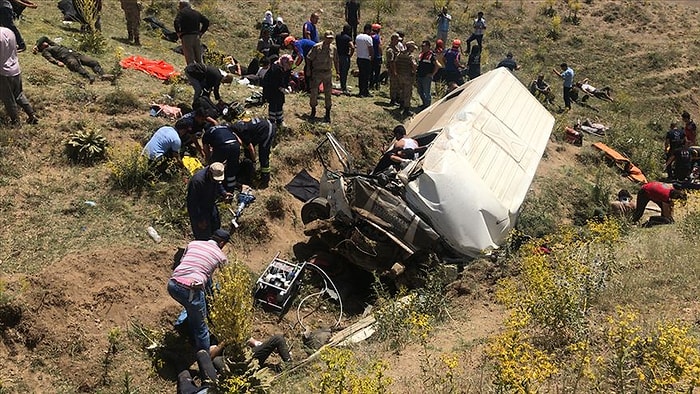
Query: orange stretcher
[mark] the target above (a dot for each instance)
(633, 172)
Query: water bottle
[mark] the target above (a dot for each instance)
(154, 234)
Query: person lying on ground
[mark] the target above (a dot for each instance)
(623, 206)
(261, 351)
(73, 60)
(663, 194)
(588, 89)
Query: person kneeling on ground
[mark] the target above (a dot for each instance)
(540, 88)
(205, 80)
(663, 195)
(165, 144)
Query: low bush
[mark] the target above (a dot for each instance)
(86, 146)
(119, 102)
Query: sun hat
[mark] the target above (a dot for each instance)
(217, 171)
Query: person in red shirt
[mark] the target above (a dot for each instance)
(660, 193)
(691, 130)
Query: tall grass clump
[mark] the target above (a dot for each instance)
(130, 169)
(342, 373)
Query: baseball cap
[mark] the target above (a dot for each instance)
(221, 235)
(329, 34)
(217, 171)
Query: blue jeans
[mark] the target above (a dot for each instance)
(195, 304)
(424, 90)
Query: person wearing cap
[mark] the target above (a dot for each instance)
(453, 66)
(206, 80)
(222, 145)
(352, 16)
(377, 56)
(427, 68)
(280, 31)
(11, 92)
(479, 26)
(275, 85)
(365, 53)
(203, 189)
(443, 24)
(392, 51)
(406, 66)
(508, 63)
(72, 60)
(132, 13)
(309, 30)
(261, 133)
(346, 48)
(190, 25)
(190, 279)
(321, 61)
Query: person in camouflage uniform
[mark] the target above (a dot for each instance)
(132, 12)
(322, 59)
(72, 60)
(392, 53)
(406, 66)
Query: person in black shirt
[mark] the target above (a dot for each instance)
(679, 164)
(280, 31)
(352, 15)
(509, 63)
(474, 62)
(346, 48)
(260, 132)
(203, 189)
(223, 146)
(275, 83)
(675, 139)
(74, 61)
(190, 25)
(206, 79)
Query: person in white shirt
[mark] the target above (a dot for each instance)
(365, 52)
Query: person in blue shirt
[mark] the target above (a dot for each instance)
(567, 75)
(310, 31)
(165, 143)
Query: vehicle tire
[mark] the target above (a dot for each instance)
(314, 209)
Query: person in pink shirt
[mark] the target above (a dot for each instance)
(662, 194)
(11, 92)
(189, 280)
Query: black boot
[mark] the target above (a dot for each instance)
(327, 118)
(264, 180)
(312, 117)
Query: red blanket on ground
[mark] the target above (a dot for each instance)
(157, 68)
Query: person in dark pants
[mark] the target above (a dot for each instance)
(206, 80)
(365, 53)
(679, 164)
(11, 91)
(223, 146)
(203, 189)
(261, 351)
(74, 61)
(352, 16)
(207, 375)
(260, 132)
(190, 25)
(567, 76)
(663, 195)
(7, 16)
(346, 48)
(377, 56)
(275, 85)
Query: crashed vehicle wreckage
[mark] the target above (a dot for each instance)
(456, 201)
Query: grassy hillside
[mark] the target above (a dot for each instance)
(82, 290)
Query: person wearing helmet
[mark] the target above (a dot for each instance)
(377, 50)
(453, 67)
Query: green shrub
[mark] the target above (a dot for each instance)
(119, 102)
(86, 146)
(341, 373)
(130, 170)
